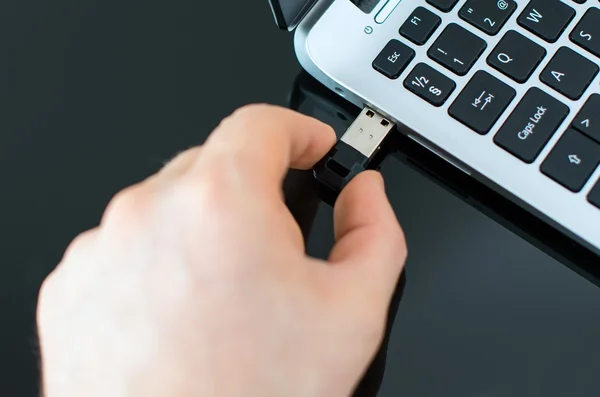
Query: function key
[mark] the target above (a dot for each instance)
(572, 161)
(588, 118)
(587, 32)
(420, 25)
(443, 5)
(429, 84)
(489, 16)
(457, 49)
(393, 59)
(531, 125)
(482, 102)
(546, 18)
(594, 196)
(569, 73)
(516, 56)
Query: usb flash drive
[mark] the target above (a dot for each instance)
(355, 152)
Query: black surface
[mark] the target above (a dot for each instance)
(546, 18)
(569, 73)
(393, 59)
(97, 95)
(572, 160)
(488, 16)
(288, 13)
(482, 102)
(457, 49)
(531, 125)
(516, 56)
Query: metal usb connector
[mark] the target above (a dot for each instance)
(355, 152)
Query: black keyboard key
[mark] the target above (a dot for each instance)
(429, 84)
(443, 5)
(594, 196)
(588, 118)
(457, 49)
(572, 161)
(546, 18)
(531, 125)
(569, 73)
(587, 32)
(516, 56)
(488, 15)
(393, 59)
(482, 102)
(420, 25)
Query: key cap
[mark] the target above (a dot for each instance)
(489, 16)
(531, 125)
(587, 32)
(443, 5)
(420, 25)
(393, 59)
(546, 18)
(516, 56)
(429, 84)
(482, 102)
(572, 161)
(457, 49)
(569, 73)
(594, 196)
(588, 118)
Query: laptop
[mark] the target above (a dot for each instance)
(507, 91)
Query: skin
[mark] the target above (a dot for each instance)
(196, 281)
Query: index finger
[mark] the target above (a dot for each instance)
(267, 140)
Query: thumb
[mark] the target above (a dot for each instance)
(370, 245)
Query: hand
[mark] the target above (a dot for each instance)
(196, 282)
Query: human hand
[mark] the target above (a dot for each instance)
(196, 282)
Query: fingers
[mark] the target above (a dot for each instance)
(370, 245)
(266, 141)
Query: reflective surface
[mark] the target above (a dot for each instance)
(97, 95)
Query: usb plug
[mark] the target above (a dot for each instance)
(355, 152)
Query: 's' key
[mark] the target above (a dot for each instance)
(531, 125)
(482, 102)
(587, 32)
(572, 161)
(588, 118)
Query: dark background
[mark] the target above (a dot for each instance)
(95, 95)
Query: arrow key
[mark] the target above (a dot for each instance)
(572, 161)
(588, 119)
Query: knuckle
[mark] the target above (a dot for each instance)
(246, 115)
(129, 205)
(207, 193)
(79, 243)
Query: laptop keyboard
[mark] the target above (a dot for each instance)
(484, 99)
